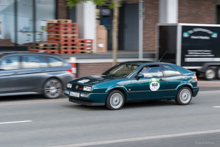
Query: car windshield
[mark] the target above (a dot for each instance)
(122, 70)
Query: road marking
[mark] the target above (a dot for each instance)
(15, 122)
(216, 106)
(140, 138)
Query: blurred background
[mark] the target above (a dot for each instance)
(26, 21)
(79, 38)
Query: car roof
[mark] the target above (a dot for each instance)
(135, 62)
(146, 62)
(24, 53)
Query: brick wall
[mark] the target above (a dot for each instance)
(62, 9)
(87, 69)
(190, 11)
(197, 11)
(149, 24)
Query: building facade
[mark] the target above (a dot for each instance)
(24, 21)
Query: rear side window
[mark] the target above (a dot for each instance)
(53, 62)
(170, 71)
(33, 62)
(10, 63)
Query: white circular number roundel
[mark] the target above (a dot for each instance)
(154, 84)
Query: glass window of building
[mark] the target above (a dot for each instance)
(25, 30)
(24, 21)
(7, 23)
(45, 10)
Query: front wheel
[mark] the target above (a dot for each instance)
(184, 96)
(52, 88)
(115, 100)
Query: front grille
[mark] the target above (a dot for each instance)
(77, 87)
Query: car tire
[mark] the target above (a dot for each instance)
(210, 74)
(184, 96)
(115, 100)
(52, 88)
(218, 73)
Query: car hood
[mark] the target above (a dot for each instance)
(95, 79)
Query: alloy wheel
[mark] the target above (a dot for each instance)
(185, 96)
(52, 88)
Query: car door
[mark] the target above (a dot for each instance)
(173, 79)
(9, 66)
(32, 75)
(151, 86)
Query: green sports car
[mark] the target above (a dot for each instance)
(134, 81)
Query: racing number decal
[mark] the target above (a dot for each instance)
(154, 84)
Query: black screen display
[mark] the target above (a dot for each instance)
(200, 45)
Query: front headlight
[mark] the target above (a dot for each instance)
(87, 88)
(69, 85)
(66, 91)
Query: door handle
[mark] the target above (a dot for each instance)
(162, 79)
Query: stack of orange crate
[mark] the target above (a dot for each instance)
(65, 33)
(85, 46)
(52, 48)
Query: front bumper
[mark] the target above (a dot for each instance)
(94, 99)
(195, 91)
(87, 103)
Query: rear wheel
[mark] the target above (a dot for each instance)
(52, 88)
(184, 96)
(115, 100)
(210, 74)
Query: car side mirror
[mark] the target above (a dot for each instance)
(140, 75)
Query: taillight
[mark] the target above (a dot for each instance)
(70, 70)
(195, 78)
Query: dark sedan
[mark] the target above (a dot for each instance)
(33, 73)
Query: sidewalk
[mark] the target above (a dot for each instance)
(215, 83)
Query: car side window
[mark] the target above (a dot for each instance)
(170, 71)
(10, 63)
(53, 62)
(33, 62)
(152, 71)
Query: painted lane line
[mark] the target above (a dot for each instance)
(15, 122)
(216, 106)
(139, 138)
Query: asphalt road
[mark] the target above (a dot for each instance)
(31, 121)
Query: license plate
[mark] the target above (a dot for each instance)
(75, 94)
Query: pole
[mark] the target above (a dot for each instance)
(115, 32)
(141, 29)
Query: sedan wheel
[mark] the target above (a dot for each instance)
(210, 74)
(184, 96)
(52, 88)
(115, 100)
